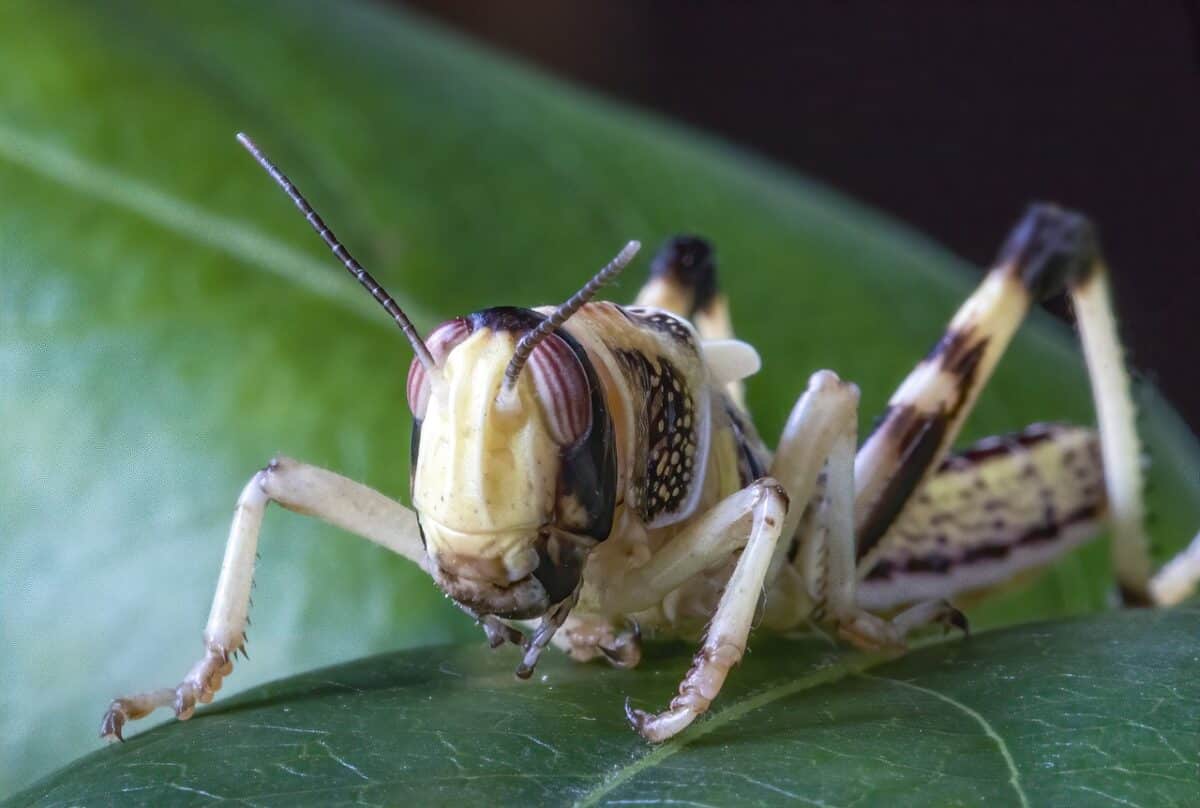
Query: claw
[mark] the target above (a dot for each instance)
(499, 632)
(185, 703)
(626, 651)
(635, 717)
(111, 724)
(658, 728)
(953, 618)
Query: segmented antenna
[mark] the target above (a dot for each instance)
(355, 268)
(562, 313)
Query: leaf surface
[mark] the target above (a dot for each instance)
(1087, 712)
(168, 322)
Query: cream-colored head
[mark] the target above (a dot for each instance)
(485, 478)
(513, 460)
(513, 465)
(512, 482)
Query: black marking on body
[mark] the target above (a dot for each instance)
(560, 564)
(998, 549)
(990, 448)
(917, 437)
(1050, 249)
(665, 323)
(689, 263)
(752, 454)
(958, 353)
(668, 434)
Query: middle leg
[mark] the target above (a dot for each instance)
(825, 552)
(826, 410)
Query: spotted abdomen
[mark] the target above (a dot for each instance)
(1004, 506)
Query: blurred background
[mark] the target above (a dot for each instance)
(951, 119)
(168, 322)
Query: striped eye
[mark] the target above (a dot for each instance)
(440, 342)
(562, 389)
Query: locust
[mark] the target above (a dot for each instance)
(586, 475)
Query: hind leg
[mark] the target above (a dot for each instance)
(683, 280)
(1050, 250)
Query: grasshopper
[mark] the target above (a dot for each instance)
(588, 471)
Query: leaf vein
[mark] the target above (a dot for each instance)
(736, 710)
(1014, 777)
(230, 236)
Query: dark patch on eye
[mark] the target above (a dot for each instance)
(669, 432)
(1051, 248)
(690, 263)
(588, 469)
(414, 451)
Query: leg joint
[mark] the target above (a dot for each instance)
(1051, 249)
(769, 489)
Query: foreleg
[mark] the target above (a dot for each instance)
(725, 640)
(298, 487)
(823, 415)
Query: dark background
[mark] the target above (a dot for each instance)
(948, 116)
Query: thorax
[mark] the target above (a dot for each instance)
(682, 443)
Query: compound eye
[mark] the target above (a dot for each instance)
(440, 342)
(562, 389)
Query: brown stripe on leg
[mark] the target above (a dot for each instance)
(917, 438)
(1048, 249)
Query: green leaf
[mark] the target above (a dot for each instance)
(168, 322)
(1086, 711)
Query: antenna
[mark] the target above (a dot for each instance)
(562, 313)
(355, 268)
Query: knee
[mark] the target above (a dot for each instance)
(828, 384)
(264, 479)
(1050, 249)
(771, 495)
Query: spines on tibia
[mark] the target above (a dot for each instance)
(688, 264)
(1050, 249)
